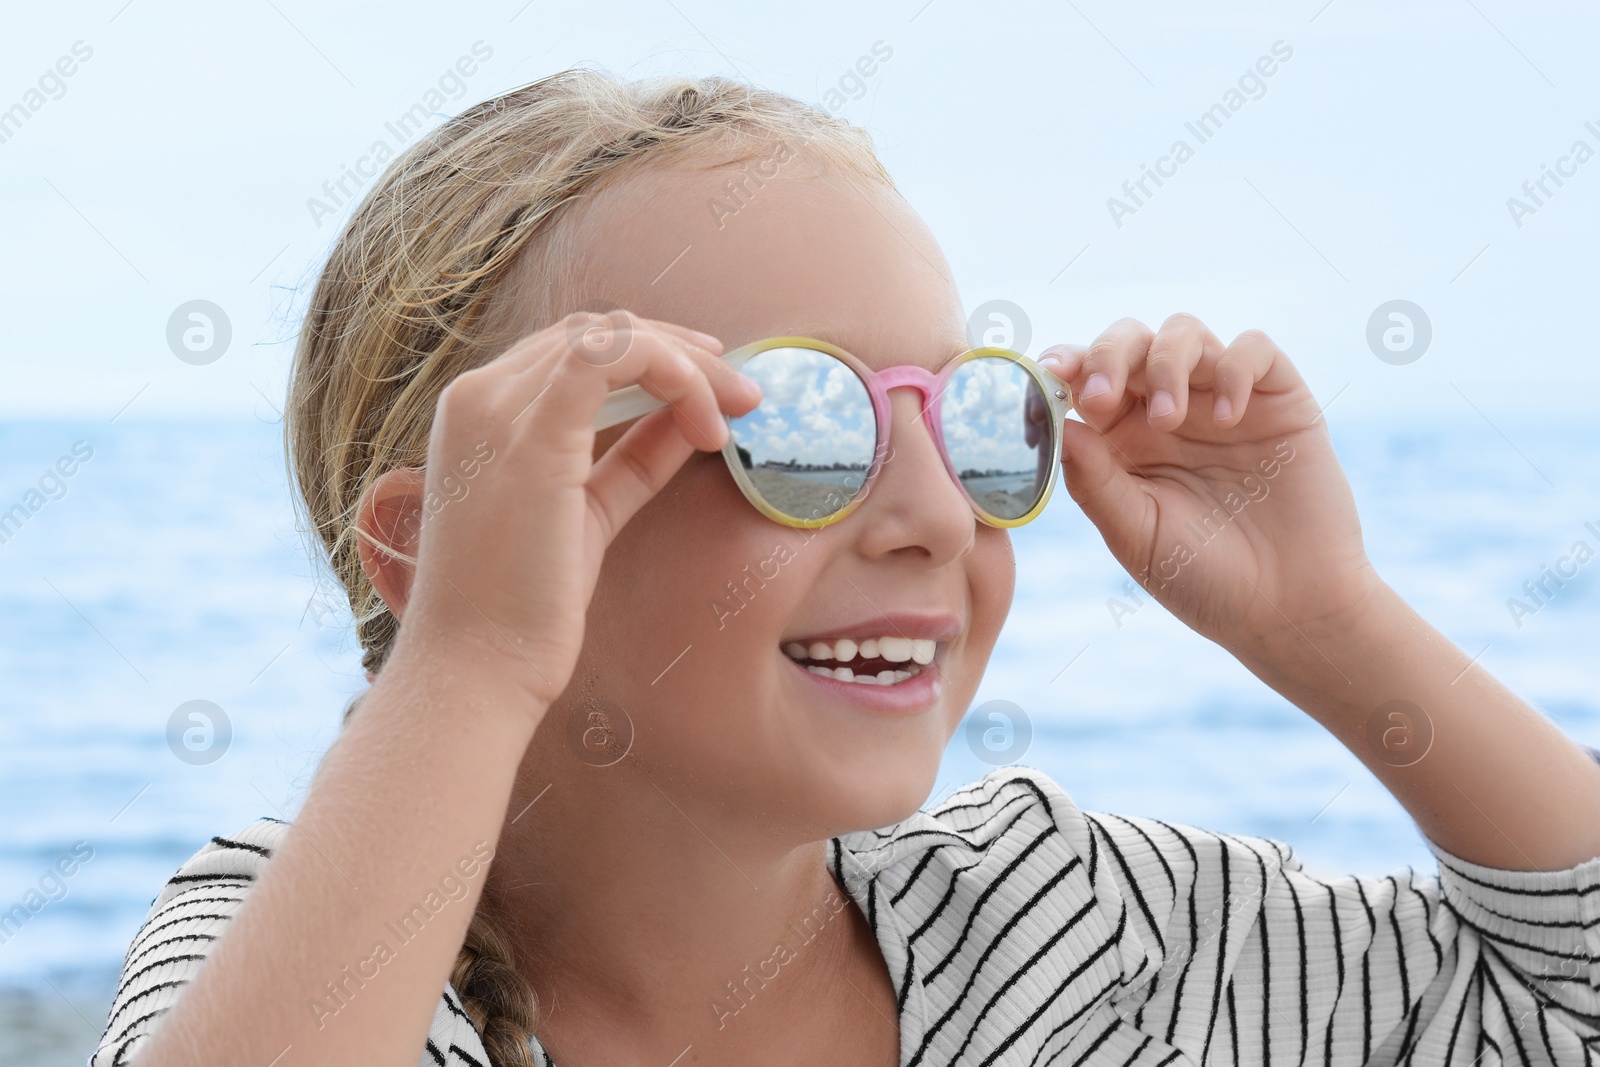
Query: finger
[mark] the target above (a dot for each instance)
(567, 391)
(671, 373)
(704, 340)
(1063, 360)
(1181, 344)
(1108, 494)
(634, 469)
(606, 338)
(1100, 383)
(1250, 363)
(726, 381)
(600, 337)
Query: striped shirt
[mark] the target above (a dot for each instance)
(1021, 930)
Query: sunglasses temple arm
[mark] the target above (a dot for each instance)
(632, 401)
(623, 404)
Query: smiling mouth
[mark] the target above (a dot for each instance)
(869, 661)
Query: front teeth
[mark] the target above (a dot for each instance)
(917, 650)
(894, 649)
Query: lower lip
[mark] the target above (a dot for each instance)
(910, 697)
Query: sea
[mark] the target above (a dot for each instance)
(173, 663)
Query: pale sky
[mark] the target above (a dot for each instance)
(1377, 161)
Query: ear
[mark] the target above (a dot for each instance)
(390, 515)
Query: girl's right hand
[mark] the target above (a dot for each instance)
(506, 569)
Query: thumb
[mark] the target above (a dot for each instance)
(1109, 495)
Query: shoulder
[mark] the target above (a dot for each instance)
(999, 880)
(189, 915)
(1010, 876)
(185, 920)
(227, 866)
(1009, 837)
(1017, 807)
(1000, 812)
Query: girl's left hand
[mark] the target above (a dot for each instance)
(1210, 474)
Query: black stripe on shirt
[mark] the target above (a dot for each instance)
(228, 842)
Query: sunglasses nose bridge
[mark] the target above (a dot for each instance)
(910, 376)
(926, 384)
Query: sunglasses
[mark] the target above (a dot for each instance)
(806, 456)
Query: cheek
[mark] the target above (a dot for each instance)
(991, 578)
(681, 615)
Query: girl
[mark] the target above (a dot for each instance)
(636, 707)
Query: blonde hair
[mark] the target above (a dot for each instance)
(426, 281)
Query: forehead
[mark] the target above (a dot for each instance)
(774, 245)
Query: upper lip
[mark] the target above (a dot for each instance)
(940, 626)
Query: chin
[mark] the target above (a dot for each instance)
(885, 798)
(866, 787)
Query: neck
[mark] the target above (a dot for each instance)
(627, 898)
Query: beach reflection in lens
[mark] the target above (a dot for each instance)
(808, 445)
(990, 415)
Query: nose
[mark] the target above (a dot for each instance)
(915, 507)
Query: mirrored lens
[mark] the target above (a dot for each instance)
(808, 445)
(996, 424)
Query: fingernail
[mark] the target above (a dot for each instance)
(706, 339)
(1050, 360)
(1098, 383)
(1223, 409)
(1162, 404)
